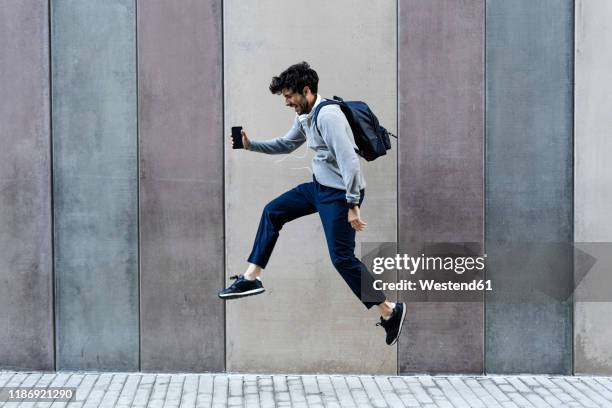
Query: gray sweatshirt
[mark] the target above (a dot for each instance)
(336, 163)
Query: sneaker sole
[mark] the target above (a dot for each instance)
(242, 294)
(399, 331)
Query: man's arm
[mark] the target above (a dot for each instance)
(287, 143)
(333, 130)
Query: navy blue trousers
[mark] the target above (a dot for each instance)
(305, 199)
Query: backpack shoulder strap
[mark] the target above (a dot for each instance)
(318, 108)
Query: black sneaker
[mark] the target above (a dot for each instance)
(242, 287)
(393, 326)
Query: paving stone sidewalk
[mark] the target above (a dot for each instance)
(109, 389)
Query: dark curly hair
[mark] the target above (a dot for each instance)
(295, 78)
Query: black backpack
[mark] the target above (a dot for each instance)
(371, 139)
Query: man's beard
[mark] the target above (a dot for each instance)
(303, 108)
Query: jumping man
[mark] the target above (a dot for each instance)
(336, 192)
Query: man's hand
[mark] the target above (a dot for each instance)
(245, 141)
(354, 217)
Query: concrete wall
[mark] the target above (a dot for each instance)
(26, 288)
(441, 110)
(308, 318)
(95, 183)
(593, 185)
(181, 185)
(120, 144)
(529, 106)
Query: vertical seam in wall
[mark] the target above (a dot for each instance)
(53, 288)
(484, 185)
(222, 17)
(573, 180)
(138, 185)
(397, 157)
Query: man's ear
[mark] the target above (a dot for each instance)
(306, 90)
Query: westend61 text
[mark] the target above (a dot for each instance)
(429, 284)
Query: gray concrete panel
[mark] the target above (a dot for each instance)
(529, 98)
(593, 181)
(95, 183)
(181, 185)
(308, 320)
(26, 289)
(441, 120)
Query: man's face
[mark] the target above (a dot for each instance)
(297, 101)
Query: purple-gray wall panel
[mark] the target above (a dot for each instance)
(441, 122)
(26, 290)
(181, 185)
